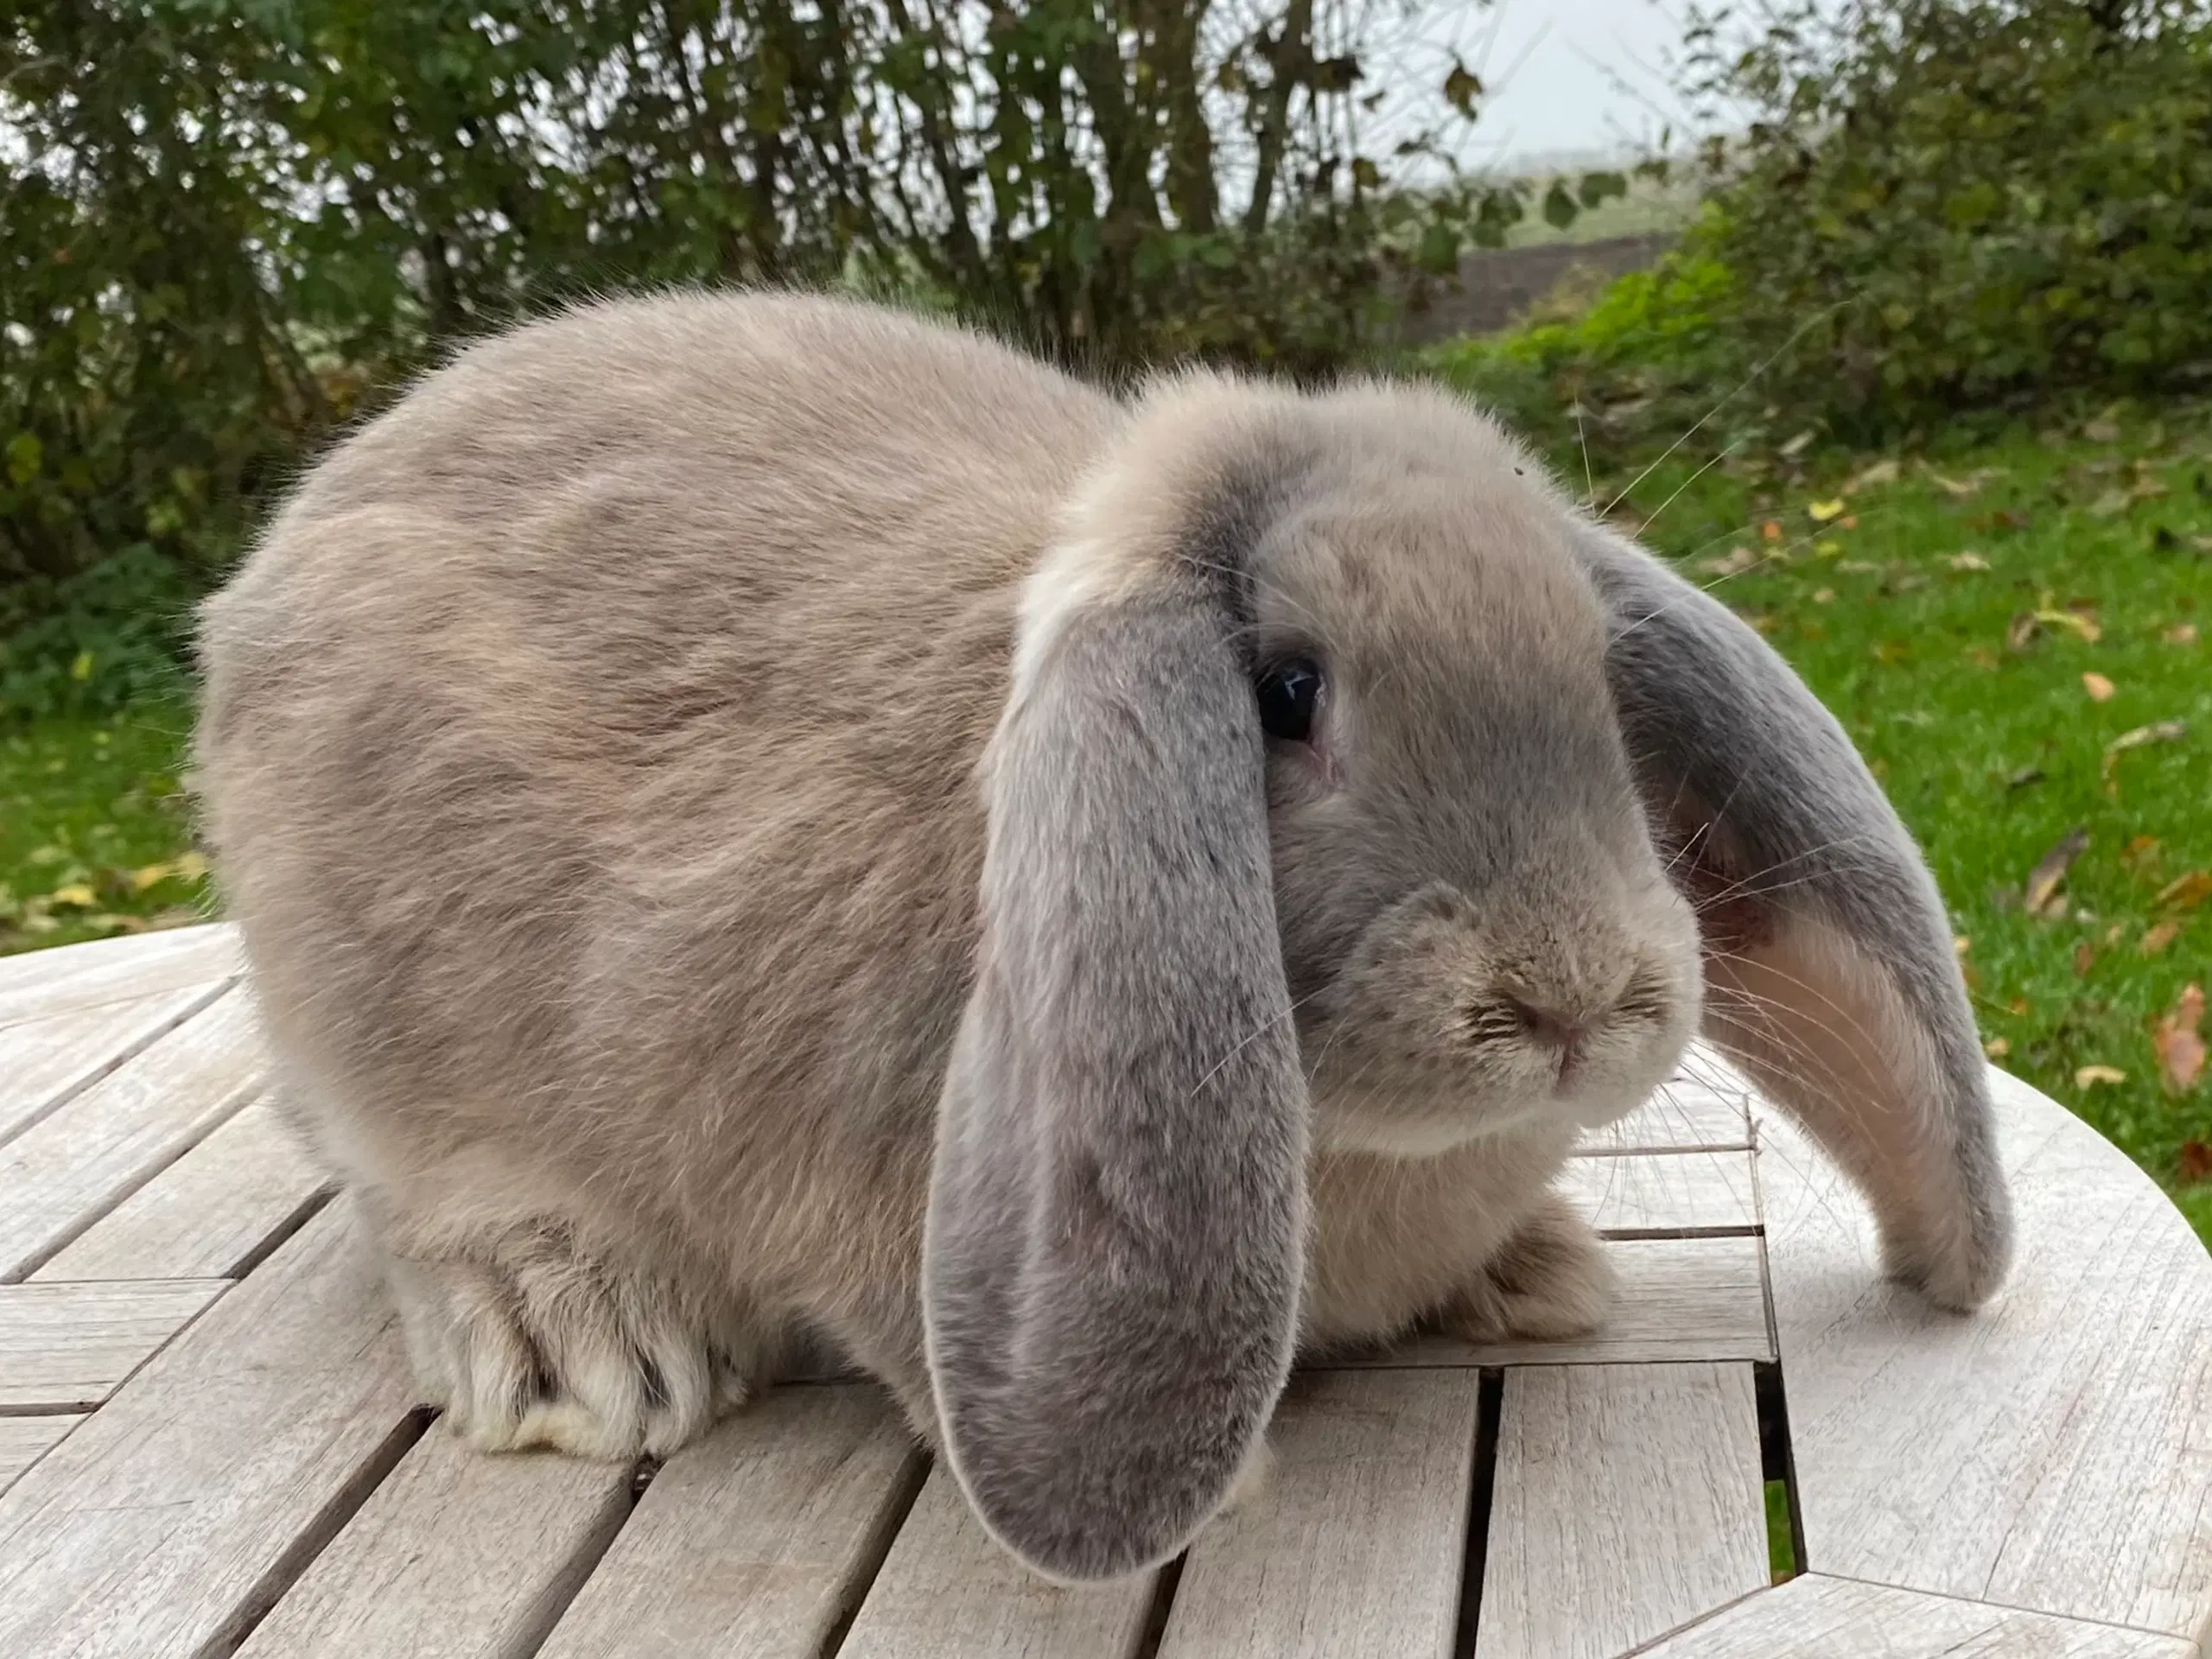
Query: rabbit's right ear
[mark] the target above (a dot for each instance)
(1116, 1231)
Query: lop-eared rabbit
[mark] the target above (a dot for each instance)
(754, 813)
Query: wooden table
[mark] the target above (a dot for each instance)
(208, 1440)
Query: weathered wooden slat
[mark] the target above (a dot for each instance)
(1704, 1104)
(213, 1211)
(1681, 1299)
(180, 1509)
(71, 978)
(47, 1062)
(755, 1542)
(1816, 1617)
(1664, 1192)
(1356, 1544)
(1628, 1501)
(2053, 1451)
(24, 1441)
(67, 1170)
(948, 1591)
(456, 1555)
(68, 1347)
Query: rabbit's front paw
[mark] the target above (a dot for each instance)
(533, 1343)
(1549, 1280)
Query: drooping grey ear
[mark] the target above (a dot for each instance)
(1115, 1241)
(1830, 973)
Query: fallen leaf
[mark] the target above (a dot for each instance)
(2147, 488)
(1962, 944)
(1849, 521)
(2112, 935)
(2181, 634)
(1825, 548)
(2140, 851)
(1798, 445)
(2089, 1077)
(1960, 487)
(2111, 504)
(2186, 892)
(2085, 957)
(2078, 620)
(2180, 1048)
(1733, 563)
(1823, 595)
(1997, 1048)
(2023, 776)
(188, 868)
(2195, 1161)
(2099, 689)
(2164, 731)
(2158, 936)
(1857, 567)
(1882, 472)
(2103, 429)
(2050, 869)
(1891, 652)
(1822, 511)
(1982, 657)
(1771, 530)
(78, 894)
(1967, 562)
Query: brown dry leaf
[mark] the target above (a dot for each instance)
(2089, 1077)
(78, 894)
(2158, 936)
(2103, 429)
(1982, 657)
(1823, 595)
(2099, 689)
(1996, 1047)
(2140, 851)
(2043, 880)
(2020, 632)
(1969, 561)
(2186, 892)
(1849, 521)
(2181, 634)
(1882, 472)
(2196, 1161)
(2112, 933)
(2085, 957)
(2179, 1045)
(1962, 944)
(1771, 530)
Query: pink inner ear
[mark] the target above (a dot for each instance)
(1820, 1028)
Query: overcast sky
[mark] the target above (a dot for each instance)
(1568, 75)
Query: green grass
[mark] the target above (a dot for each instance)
(92, 823)
(1912, 611)
(1976, 721)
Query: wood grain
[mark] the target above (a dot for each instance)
(208, 1214)
(1816, 1617)
(1667, 1192)
(755, 1542)
(2053, 1451)
(67, 1170)
(47, 1062)
(1680, 1298)
(1355, 1545)
(73, 978)
(456, 1555)
(947, 1591)
(1628, 1501)
(167, 1520)
(24, 1441)
(1705, 1103)
(68, 1347)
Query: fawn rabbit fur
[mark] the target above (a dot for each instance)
(755, 812)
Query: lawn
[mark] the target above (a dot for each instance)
(2012, 632)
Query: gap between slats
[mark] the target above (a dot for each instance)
(121, 1056)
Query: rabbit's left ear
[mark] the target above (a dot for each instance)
(1115, 1243)
(1830, 969)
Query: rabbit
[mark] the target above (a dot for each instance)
(755, 812)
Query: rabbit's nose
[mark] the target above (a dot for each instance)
(1554, 1029)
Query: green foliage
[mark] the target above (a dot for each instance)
(228, 225)
(1945, 210)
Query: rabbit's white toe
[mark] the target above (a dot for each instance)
(1549, 1280)
(531, 1342)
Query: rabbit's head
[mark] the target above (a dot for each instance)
(1321, 816)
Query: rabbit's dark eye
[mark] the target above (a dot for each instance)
(1289, 693)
